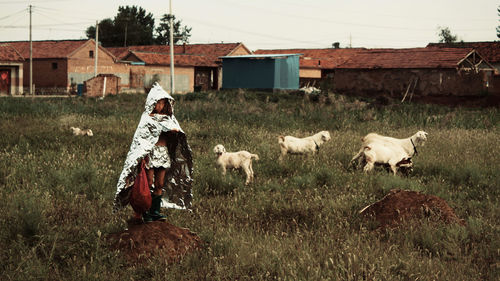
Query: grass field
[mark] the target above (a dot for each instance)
(299, 219)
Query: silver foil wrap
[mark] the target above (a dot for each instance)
(178, 182)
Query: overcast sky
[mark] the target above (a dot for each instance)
(270, 24)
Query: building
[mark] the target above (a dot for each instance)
(58, 66)
(421, 71)
(63, 66)
(11, 71)
(265, 71)
(490, 51)
(198, 67)
(315, 65)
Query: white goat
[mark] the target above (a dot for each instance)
(293, 145)
(378, 149)
(81, 132)
(235, 160)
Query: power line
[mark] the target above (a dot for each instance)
(16, 13)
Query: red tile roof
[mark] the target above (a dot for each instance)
(407, 58)
(47, 49)
(179, 59)
(189, 54)
(490, 51)
(9, 54)
(376, 58)
(318, 58)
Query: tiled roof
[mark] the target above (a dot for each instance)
(377, 58)
(9, 54)
(490, 51)
(189, 54)
(407, 58)
(318, 58)
(47, 49)
(118, 52)
(152, 58)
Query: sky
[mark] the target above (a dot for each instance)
(270, 24)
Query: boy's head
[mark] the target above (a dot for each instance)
(163, 106)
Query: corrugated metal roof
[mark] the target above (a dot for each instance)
(9, 54)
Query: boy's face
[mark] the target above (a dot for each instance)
(160, 105)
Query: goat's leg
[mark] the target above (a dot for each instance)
(394, 169)
(283, 152)
(223, 170)
(247, 172)
(251, 170)
(368, 167)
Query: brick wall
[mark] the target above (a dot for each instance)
(48, 74)
(81, 65)
(107, 84)
(394, 82)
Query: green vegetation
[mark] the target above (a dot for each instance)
(298, 221)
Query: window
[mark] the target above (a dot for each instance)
(91, 54)
(54, 65)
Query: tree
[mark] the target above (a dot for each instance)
(131, 26)
(181, 33)
(498, 27)
(445, 35)
(106, 27)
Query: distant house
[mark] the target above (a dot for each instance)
(315, 65)
(59, 65)
(490, 51)
(265, 71)
(11, 71)
(197, 66)
(423, 71)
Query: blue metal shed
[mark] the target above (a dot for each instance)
(274, 71)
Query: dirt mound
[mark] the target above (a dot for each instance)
(401, 206)
(140, 242)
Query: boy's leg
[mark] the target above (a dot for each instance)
(159, 180)
(154, 212)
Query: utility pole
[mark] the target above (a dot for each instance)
(96, 46)
(172, 88)
(31, 59)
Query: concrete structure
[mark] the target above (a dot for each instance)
(265, 71)
(11, 71)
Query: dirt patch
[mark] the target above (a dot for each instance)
(140, 242)
(404, 206)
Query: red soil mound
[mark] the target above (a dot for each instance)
(402, 205)
(140, 242)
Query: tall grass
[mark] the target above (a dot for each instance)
(298, 221)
